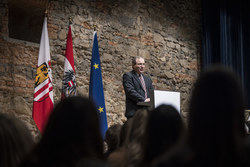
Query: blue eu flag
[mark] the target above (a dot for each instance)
(96, 87)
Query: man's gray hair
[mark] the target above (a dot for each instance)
(135, 58)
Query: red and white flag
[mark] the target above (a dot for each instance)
(69, 82)
(43, 93)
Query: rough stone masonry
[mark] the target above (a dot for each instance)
(165, 32)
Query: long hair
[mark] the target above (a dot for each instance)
(216, 116)
(72, 133)
(15, 141)
(163, 131)
(135, 136)
(112, 137)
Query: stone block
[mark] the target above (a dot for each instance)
(21, 106)
(144, 53)
(62, 35)
(158, 38)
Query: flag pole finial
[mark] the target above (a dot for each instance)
(70, 20)
(46, 13)
(94, 27)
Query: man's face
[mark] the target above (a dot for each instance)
(139, 66)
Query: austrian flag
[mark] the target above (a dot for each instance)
(69, 82)
(43, 93)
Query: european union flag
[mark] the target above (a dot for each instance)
(96, 87)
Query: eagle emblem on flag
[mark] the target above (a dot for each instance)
(69, 83)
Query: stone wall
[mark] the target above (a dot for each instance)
(166, 33)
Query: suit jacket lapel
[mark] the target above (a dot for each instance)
(137, 78)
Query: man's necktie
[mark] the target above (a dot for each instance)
(143, 85)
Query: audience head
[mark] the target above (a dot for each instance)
(72, 133)
(217, 103)
(216, 113)
(135, 136)
(124, 132)
(112, 137)
(137, 126)
(163, 131)
(15, 141)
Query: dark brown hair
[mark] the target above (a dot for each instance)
(15, 141)
(72, 133)
(135, 58)
(216, 116)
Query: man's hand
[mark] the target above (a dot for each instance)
(147, 100)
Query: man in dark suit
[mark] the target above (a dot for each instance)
(136, 86)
